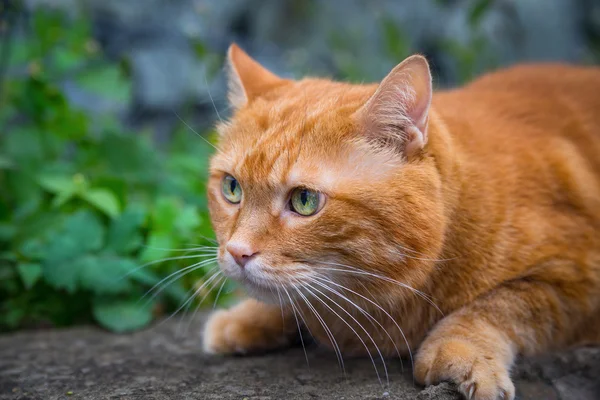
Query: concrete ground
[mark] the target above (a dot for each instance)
(160, 363)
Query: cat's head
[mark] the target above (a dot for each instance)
(318, 180)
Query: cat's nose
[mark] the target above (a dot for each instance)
(241, 252)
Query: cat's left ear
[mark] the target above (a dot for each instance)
(398, 113)
(247, 78)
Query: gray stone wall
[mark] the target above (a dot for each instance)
(175, 47)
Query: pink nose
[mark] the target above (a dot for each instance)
(241, 252)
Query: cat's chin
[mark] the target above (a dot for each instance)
(263, 294)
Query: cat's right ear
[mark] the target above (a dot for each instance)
(397, 114)
(247, 78)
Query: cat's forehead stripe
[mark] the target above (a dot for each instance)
(277, 149)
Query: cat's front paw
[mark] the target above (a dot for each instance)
(478, 373)
(243, 329)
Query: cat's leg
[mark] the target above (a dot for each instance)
(249, 327)
(476, 346)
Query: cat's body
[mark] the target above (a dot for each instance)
(473, 224)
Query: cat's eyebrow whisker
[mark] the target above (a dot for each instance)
(199, 135)
(328, 332)
(211, 99)
(175, 276)
(380, 308)
(308, 288)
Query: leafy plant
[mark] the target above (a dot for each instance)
(87, 208)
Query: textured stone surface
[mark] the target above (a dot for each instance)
(161, 363)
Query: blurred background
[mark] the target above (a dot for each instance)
(102, 183)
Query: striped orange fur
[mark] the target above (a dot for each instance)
(463, 224)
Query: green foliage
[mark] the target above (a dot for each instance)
(396, 45)
(85, 203)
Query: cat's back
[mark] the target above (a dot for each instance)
(527, 143)
(526, 108)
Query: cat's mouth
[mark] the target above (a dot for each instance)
(265, 282)
(266, 289)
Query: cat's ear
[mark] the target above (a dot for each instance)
(247, 78)
(398, 113)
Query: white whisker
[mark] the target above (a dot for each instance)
(351, 328)
(188, 293)
(328, 332)
(205, 283)
(380, 308)
(354, 270)
(212, 249)
(219, 293)
(211, 99)
(175, 276)
(164, 260)
(192, 129)
(214, 285)
(297, 323)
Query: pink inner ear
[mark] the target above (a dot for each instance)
(418, 110)
(247, 78)
(399, 109)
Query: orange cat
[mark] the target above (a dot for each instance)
(385, 219)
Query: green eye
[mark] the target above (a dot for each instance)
(305, 201)
(231, 189)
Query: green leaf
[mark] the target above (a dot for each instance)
(30, 273)
(187, 221)
(124, 233)
(129, 157)
(107, 81)
(6, 162)
(7, 231)
(164, 214)
(158, 246)
(24, 146)
(395, 40)
(175, 290)
(104, 200)
(121, 315)
(7, 256)
(60, 270)
(81, 233)
(86, 229)
(62, 198)
(57, 183)
(105, 274)
(33, 248)
(66, 59)
(143, 275)
(24, 192)
(64, 187)
(477, 11)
